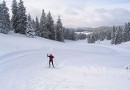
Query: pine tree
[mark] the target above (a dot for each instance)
(22, 18)
(102, 36)
(1, 19)
(91, 38)
(37, 27)
(126, 32)
(113, 35)
(30, 32)
(15, 18)
(4, 18)
(118, 36)
(66, 33)
(34, 25)
(72, 35)
(108, 35)
(59, 30)
(50, 27)
(43, 25)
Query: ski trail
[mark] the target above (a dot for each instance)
(13, 56)
(16, 54)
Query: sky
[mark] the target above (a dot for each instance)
(81, 13)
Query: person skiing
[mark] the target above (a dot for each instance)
(50, 60)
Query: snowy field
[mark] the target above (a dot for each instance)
(79, 65)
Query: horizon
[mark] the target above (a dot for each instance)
(82, 13)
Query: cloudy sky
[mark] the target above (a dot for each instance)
(81, 13)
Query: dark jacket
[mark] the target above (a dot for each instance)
(51, 57)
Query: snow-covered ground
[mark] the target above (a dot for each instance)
(79, 65)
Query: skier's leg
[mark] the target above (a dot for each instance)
(53, 64)
(49, 63)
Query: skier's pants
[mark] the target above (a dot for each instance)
(51, 61)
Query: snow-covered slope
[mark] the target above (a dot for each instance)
(79, 65)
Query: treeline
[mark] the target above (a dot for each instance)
(99, 35)
(23, 24)
(121, 34)
(117, 34)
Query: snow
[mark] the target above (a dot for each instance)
(79, 65)
(83, 33)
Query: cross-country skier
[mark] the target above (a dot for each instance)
(50, 60)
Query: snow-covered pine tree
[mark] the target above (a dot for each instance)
(66, 33)
(15, 18)
(113, 35)
(127, 32)
(50, 27)
(1, 20)
(88, 38)
(108, 35)
(124, 33)
(91, 38)
(22, 18)
(4, 18)
(72, 35)
(43, 25)
(30, 32)
(59, 30)
(102, 35)
(37, 31)
(118, 35)
(34, 25)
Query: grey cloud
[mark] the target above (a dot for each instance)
(113, 16)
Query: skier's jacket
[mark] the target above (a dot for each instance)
(51, 57)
